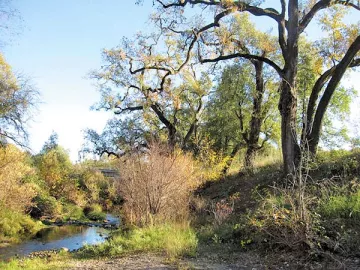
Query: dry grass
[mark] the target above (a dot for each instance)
(262, 160)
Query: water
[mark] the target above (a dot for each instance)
(56, 237)
(113, 220)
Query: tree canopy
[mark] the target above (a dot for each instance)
(18, 98)
(213, 41)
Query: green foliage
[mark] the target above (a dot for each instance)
(234, 98)
(342, 206)
(335, 134)
(51, 143)
(54, 167)
(94, 212)
(339, 208)
(79, 184)
(237, 233)
(118, 135)
(15, 225)
(168, 112)
(339, 163)
(45, 205)
(285, 220)
(72, 212)
(174, 239)
(16, 193)
(97, 216)
(97, 188)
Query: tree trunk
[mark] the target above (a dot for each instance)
(290, 147)
(256, 117)
(250, 157)
(314, 137)
(230, 160)
(171, 137)
(170, 126)
(288, 96)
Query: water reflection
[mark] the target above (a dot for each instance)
(70, 236)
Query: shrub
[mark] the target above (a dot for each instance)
(95, 186)
(72, 194)
(223, 209)
(212, 163)
(45, 205)
(14, 225)
(54, 167)
(91, 181)
(285, 218)
(73, 212)
(94, 212)
(156, 186)
(96, 216)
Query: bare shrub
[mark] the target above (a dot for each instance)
(285, 214)
(281, 216)
(221, 211)
(156, 185)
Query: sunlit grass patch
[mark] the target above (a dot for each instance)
(345, 206)
(59, 261)
(173, 239)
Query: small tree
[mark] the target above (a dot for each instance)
(54, 166)
(244, 109)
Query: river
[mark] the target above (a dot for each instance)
(71, 237)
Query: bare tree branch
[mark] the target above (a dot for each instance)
(246, 56)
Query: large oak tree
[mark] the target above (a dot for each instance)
(213, 44)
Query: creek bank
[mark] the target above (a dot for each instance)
(70, 235)
(110, 222)
(104, 224)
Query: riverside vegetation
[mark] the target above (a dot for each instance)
(227, 140)
(48, 187)
(245, 212)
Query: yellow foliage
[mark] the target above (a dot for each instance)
(54, 169)
(211, 162)
(7, 78)
(15, 194)
(227, 3)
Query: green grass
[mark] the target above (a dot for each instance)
(59, 261)
(342, 206)
(94, 212)
(174, 240)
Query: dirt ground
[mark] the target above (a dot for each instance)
(156, 262)
(214, 261)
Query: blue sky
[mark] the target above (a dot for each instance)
(60, 42)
